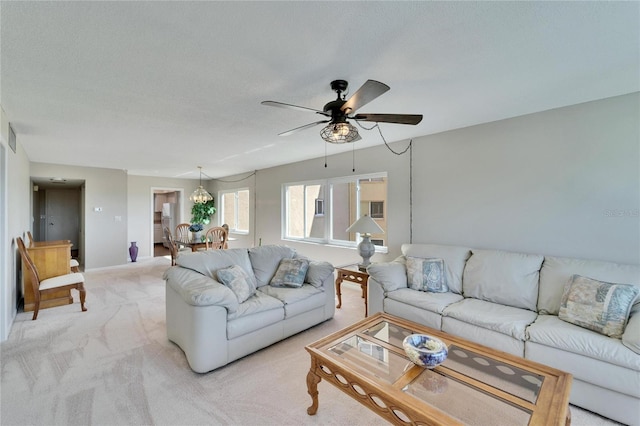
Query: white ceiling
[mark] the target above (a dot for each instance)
(158, 88)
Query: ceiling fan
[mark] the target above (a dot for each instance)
(339, 130)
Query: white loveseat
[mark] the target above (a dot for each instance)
(209, 323)
(511, 302)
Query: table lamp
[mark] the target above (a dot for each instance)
(365, 226)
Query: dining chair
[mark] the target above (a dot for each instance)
(173, 247)
(74, 265)
(182, 232)
(216, 238)
(50, 285)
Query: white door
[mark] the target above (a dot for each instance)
(62, 215)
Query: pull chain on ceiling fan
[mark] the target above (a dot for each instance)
(338, 129)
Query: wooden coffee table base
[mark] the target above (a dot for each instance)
(376, 373)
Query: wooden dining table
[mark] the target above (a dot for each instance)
(196, 245)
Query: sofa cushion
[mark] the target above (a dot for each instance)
(433, 302)
(296, 300)
(199, 290)
(260, 302)
(238, 281)
(556, 271)
(597, 305)
(503, 277)
(318, 272)
(265, 261)
(503, 319)
(454, 258)
(256, 313)
(290, 273)
(209, 261)
(426, 274)
(549, 330)
(391, 275)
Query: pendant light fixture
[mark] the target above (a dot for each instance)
(200, 195)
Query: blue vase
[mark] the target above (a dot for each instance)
(133, 251)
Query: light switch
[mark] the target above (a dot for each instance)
(118, 218)
(97, 209)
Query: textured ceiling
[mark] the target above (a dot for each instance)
(158, 88)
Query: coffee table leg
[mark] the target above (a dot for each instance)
(338, 293)
(312, 388)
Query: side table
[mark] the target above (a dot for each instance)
(358, 277)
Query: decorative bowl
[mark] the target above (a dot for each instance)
(424, 350)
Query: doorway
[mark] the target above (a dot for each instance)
(58, 213)
(167, 206)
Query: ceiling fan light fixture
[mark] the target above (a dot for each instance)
(341, 132)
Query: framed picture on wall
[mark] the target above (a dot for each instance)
(12, 139)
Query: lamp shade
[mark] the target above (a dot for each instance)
(365, 225)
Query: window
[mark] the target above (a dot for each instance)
(234, 210)
(321, 211)
(302, 222)
(376, 209)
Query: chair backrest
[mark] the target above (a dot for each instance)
(30, 238)
(173, 248)
(182, 232)
(216, 238)
(26, 260)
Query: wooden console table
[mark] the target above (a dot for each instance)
(52, 259)
(358, 277)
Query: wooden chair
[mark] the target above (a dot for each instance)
(216, 238)
(182, 232)
(173, 247)
(74, 265)
(50, 285)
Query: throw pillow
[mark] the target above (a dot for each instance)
(238, 281)
(318, 272)
(426, 274)
(290, 273)
(599, 306)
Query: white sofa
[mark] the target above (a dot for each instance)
(209, 323)
(511, 302)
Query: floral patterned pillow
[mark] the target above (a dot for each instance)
(426, 274)
(290, 273)
(599, 306)
(238, 281)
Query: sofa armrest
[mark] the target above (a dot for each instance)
(631, 335)
(199, 290)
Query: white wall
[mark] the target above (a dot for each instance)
(16, 217)
(563, 182)
(105, 238)
(140, 207)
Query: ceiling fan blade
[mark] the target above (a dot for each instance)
(390, 118)
(306, 126)
(370, 90)
(289, 106)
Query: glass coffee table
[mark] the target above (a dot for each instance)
(476, 385)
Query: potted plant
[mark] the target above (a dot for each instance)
(196, 230)
(201, 213)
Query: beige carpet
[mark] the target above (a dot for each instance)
(113, 365)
